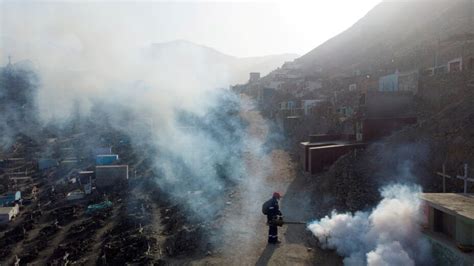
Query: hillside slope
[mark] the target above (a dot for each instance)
(185, 55)
(393, 29)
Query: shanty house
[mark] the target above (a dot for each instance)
(110, 175)
(85, 176)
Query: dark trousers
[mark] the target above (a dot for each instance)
(272, 234)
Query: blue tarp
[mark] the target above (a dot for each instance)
(99, 207)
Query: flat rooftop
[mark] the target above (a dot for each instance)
(5, 210)
(452, 203)
(112, 166)
(332, 146)
(324, 143)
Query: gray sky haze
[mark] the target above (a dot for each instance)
(250, 28)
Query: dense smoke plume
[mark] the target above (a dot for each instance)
(387, 235)
(18, 112)
(179, 114)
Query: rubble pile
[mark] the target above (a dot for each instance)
(185, 240)
(127, 247)
(71, 252)
(87, 228)
(10, 238)
(186, 235)
(126, 242)
(65, 215)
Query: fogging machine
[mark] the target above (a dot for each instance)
(280, 222)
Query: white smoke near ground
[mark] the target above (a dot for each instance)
(388, 235)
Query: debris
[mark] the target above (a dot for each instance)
(91, 209)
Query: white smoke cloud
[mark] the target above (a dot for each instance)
(388, 235)
(176, 110)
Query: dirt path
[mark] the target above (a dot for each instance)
(245, 231)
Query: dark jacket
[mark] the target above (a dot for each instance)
(273, 210)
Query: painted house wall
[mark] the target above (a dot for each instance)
(389, 82)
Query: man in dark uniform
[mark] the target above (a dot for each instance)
(272, 216)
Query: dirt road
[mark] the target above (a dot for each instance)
(245, 231)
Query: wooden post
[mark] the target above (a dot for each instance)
(465, 177)
(444, 175)
(444, 178)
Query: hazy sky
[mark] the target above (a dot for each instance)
(237, 28)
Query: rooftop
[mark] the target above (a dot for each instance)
(112, 166)
(326, 143)
(452, 203)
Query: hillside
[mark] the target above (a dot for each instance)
(393, 29)
(187, 55)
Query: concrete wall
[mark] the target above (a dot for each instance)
(376, 128)
(440, 90)
(389, 104)
(459, 229)
(446, 256)
(304, 152)
(464, 231)
(321, 157)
